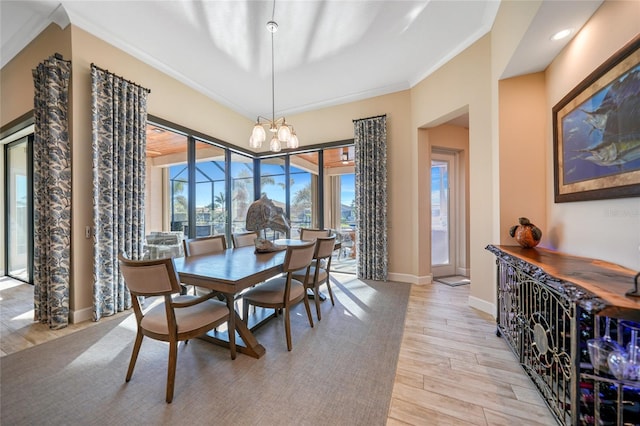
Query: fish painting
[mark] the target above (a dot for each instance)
(618, 119)
(602, 135)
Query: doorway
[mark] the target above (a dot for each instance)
(444, 213)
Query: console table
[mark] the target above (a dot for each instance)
(548, 305)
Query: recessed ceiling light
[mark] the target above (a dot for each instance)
(561, 34)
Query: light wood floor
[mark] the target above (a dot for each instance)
(452, 368)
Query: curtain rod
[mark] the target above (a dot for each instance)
(120, 77)
(369, 118)
(59, 57)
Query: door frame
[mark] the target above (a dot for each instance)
(458, 214)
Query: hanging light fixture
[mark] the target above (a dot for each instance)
(282, 132)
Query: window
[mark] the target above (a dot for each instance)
(201, 187)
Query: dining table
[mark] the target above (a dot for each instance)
(230, 272)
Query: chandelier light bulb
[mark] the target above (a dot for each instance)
(284, 133)
(255, 143)
(293, 142)
(258, 134)
(275, 144)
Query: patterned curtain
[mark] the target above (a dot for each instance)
(52, 193)
(119, 120)
(371, 197)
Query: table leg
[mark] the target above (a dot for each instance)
(246, 342)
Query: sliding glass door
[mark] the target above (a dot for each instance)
(19, 209)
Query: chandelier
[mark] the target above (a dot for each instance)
(282, 132)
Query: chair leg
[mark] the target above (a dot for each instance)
(316, 297)
(306, 306)
(330, 292)
(134, 355)
(245, 312)
(287, 328)
(171, 369)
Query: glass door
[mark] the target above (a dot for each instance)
(442, 233)
(19, 209)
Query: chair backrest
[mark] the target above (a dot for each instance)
(243, 239)
(205, 245)
(325, 247)
(299, 257)
(149, 277)
(309, 234)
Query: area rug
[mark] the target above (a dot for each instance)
(454, 281)
(339, 372)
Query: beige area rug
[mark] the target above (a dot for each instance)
(454, 280)
(341, 372)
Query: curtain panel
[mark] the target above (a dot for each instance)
(370, 135)
(119, 120)
(52, 192)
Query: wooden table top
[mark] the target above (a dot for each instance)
(608, 281)
(231, 270)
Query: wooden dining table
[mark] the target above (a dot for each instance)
(229, 272)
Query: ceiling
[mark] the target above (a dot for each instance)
(327, 52)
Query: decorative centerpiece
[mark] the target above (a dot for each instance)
(266, 246)
(526, 233)
(263, 214)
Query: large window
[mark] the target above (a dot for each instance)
(201, 187)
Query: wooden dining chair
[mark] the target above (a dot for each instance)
(318, 275)
(178, 318)
(285, 291)
(204, 245)
(310, 234)
(243, 239)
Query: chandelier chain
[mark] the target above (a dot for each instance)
(282, 131)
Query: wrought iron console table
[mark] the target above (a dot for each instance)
(548, 305)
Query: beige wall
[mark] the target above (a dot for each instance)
(16, 79)
(463, 84)
(605, 229)
(523, 168)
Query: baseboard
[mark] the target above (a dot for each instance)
(408, 278)
(81, 315)
(465, 272)
(482, 305)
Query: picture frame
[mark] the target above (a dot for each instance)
(596, 132)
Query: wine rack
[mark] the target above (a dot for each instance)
(548, 306)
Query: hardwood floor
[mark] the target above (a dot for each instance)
(452, 369)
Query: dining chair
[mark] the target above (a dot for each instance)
(178, 318)
(318, 275)
(243, 239)
(285, 291)
(310, 234)
(204, 245)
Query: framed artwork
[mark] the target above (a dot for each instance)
(596, 132)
